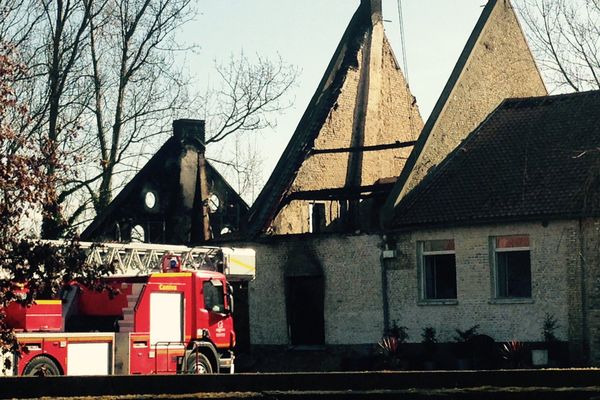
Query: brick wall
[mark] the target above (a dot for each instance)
(552, 251)
(352, 274)
(391, 115)
(562, 285)
(589, 289)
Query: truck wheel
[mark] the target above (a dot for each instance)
(198, 363)
(41, 366)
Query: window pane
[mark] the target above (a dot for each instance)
(513, 274)
(438, 245)
(214, 299)
(506, 242)
(440, 276)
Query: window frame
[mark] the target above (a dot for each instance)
(494, 264)
(422, 273)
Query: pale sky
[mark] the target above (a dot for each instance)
(306, 33)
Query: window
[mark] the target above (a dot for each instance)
(438, 269)
(316, 217)
(512, 266)
(150, 200)
(214, 298)
(138, 234)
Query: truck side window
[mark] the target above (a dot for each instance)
(213, 297)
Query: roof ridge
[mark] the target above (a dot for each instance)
(556, 96)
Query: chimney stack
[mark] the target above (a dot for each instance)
(189, 131)
(374, 8)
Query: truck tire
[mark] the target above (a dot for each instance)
(41, 366)
(198, 363)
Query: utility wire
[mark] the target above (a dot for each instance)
(402, 41)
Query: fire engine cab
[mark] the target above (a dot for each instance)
(177, 319)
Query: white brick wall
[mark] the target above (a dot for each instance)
(352, 273)
(550, 248)
(353, 300)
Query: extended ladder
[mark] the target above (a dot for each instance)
(145, 258)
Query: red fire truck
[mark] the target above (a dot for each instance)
(177, 319)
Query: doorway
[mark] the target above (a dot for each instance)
(305, 301)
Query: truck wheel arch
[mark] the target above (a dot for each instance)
(206, 348)
(43, 362)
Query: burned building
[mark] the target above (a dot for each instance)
(177, 197)
(350, 143)
(327, 279)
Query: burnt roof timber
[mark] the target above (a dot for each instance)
(358, 149)
(344, 193)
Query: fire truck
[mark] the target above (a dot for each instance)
(170, 311)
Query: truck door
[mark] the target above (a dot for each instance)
(214, 302)
(166, 330)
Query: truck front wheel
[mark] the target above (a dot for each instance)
(198, 363)
(41, 366)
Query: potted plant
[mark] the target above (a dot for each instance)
(515, 354)
(430, 343)
(391, 347)
(540, 357)
(463, 341)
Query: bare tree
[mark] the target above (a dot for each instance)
(249, 96)
(48, 38)
(565, 38)
(137, 86)
(102, 82)
(242, 166)
(28, 270)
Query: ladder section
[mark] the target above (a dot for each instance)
(145, 258)
(127, 323)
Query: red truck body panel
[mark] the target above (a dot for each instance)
(175, 297)
(43, 315)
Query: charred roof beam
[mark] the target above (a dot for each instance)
(357, 149)
(352, 193)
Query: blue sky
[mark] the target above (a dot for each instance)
(305, 34)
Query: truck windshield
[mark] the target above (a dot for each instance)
(214, 299)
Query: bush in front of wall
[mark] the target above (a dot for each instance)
(430, 344)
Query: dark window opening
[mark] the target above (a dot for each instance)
(440, 276)
(317, 217)
(513, 274)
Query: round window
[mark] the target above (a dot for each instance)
(213, 203)
(150, 200)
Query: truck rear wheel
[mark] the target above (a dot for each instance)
(41, 366)
(198, 363)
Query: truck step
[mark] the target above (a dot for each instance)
(136, 289)
(125, 326)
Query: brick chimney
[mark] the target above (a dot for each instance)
(374, 8)
(193, 213)
(190, 131)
